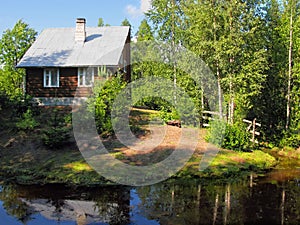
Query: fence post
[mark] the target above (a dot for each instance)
(253, 130)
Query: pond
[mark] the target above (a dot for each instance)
(274, 199)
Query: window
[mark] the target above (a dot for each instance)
(85, 77)
(125, 66)
(51, 78)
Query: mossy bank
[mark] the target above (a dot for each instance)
(26, 160)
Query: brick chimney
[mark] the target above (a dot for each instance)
(80, 33)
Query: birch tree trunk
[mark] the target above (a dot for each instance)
(288, 103)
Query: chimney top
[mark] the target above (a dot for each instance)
(80, 20)
(80, 33)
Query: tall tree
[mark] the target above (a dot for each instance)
(141, 58)
(100, 22)
(126, 22)
(144, 32)
(13, 45)
(271, 104)
(296, 76)
(289, 17)
(290, 31)
(168, 20)
(227, 34)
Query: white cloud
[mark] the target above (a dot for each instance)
(145, 5)
(134, 11)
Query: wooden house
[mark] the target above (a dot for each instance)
(65, 61)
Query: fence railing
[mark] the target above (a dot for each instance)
(252, 129)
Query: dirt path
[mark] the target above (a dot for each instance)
(159, 143)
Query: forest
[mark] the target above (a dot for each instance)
(252, 48)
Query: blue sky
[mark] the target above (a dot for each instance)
(41, 14)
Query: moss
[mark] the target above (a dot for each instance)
(229, 164)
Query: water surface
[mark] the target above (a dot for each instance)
(274, 199)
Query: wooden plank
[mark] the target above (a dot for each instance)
(247, 121)
(210, 112)
(256, 132)
(208, 118)
(248, 128)
(255, 141)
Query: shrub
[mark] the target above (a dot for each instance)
(233, 137)
(168, 115)
(290, 139)
(57, 132)
(27, 122)
(216, 132)
(102, 102)
(55, 137)
(236, 138)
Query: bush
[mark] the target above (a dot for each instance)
(290, 139)
(58, 131)
(102, 102)
(233, 137)
(55, 137)
(216, 132)
(236, 138)
(154, 103)
(27, 122)
(167, 115)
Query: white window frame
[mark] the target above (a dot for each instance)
(51, 72)
(82, 71)
(125, 66)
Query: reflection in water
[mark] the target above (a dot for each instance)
(264, 203)
(59, 203)
(249, 202)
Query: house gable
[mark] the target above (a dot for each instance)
(62, 50)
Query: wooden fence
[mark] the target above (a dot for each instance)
(252, 129)
(207, 115)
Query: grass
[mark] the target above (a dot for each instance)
(229, 165)
(27, 161)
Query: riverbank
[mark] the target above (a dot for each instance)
(26, 160)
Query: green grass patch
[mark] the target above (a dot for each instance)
(229, 164)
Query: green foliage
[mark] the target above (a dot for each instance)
(102, 102)
(100, 22)
(27, 122)
(232, 137)
(10, 83)
(15, 42)
(153, 103)
(167, 114)
(216, 132)
(236, 138)
(126, 22)
(290, 139)
(144, 32)
(13, 45)
(57, 132)
(55, 137)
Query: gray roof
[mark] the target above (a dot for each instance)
(56, 47)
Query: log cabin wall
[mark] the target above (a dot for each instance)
(127, 55)
(68, 80)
